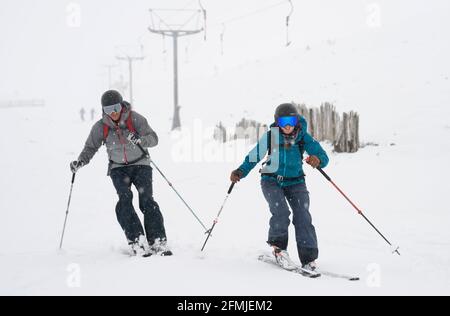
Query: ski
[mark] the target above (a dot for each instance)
(130, 253)
(338, 275)
(315, 274)
(298, 270)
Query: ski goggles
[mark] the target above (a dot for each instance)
(110, 109)
(287, 120)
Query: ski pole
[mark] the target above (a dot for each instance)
(67, 212)
(171, 185)
(209, 232)
(360, 212)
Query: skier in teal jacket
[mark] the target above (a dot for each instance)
(283, 183)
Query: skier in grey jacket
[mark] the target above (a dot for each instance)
(126, 134)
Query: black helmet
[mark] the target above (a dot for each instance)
(285, 109)
(111, 97)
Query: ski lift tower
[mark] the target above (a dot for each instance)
(129, 58)
(166, 27)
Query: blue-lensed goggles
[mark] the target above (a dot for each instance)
(287, 120)
(110, 109)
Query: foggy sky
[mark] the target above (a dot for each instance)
(41, 55)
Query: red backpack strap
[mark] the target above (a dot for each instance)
(105, 132)
(130, 125)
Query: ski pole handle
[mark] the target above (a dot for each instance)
(231, 188)
(324, 174)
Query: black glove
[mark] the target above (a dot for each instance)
(134, 139)
(236, 175)
(76, 165)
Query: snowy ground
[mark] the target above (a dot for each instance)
(395, 76)
(401, 188)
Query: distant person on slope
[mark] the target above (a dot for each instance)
(125, 133)
(82, 113)
(283, 183)
(92, 114)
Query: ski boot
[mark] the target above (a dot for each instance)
(140, 247)
(312, 266)
(160, 248)
(283, 259)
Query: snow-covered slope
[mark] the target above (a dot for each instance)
(395, 76)
(401, 188)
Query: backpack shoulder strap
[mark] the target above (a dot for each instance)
(130, 125)
(301, 146)
(105, 132)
